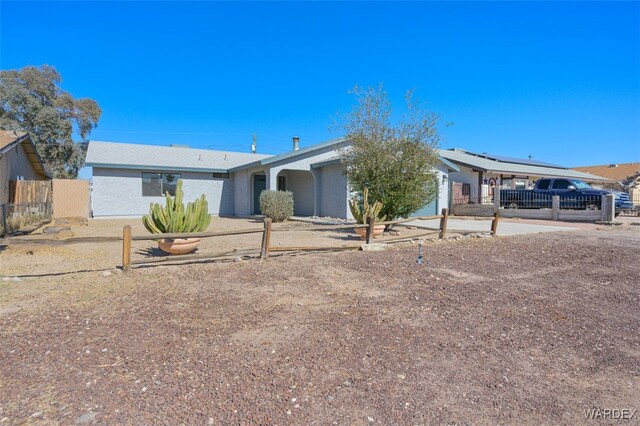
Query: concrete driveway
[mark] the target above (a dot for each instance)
(505, 226)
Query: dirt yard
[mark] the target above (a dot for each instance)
(526, 329)
(43, 260)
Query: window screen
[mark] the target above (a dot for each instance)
(221, 175)
(151, 184)
(158, 184)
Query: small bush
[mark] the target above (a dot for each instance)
(277, 205)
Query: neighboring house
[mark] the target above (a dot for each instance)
(625, 176)
(481, 172)
(19, 160)
(127, 177)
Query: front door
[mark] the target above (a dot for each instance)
(259, 185)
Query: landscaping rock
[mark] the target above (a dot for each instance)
(105, 274)
(55, 229)
(374, 247)
(86, 418)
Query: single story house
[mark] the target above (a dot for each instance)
(128, 177)
(19, 160)
(479, 173)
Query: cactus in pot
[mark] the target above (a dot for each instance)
(174, 217)
(361, 213)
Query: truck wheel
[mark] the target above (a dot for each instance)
(592, 207)
(513, 205)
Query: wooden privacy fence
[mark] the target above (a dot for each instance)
(266, 248)
(30, 191)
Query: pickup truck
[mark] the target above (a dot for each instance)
(573, 193)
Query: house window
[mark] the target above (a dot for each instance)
(282, 183)
(221, 175)
(157, 184)
(521, 183)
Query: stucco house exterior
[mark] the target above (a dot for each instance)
(19, 160)
(128, 177)
(479, 173)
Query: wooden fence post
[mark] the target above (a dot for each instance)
(3, 213)
(126, 248)
(443, 223)
(494, 224)
(266, 238)
(371, 222)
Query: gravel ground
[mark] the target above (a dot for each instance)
(526, 329)
(42, 260)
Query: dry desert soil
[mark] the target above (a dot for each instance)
(529, 329)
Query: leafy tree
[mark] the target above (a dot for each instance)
(395, 160)
(31, 99)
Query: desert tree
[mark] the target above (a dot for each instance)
(395, 157)
(31, 100)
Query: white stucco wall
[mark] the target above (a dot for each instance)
(443, 189)
(118, 192)
(466, 175)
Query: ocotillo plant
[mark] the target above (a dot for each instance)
(175, 218)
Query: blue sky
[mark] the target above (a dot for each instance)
(556, 80)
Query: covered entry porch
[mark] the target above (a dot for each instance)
(303, 184)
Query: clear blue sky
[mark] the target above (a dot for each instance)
(557, 80)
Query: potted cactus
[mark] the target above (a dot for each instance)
(361, 213)
(175, 218)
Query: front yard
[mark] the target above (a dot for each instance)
(525, 329)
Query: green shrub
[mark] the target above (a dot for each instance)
(277, 205)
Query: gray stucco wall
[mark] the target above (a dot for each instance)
(333, 192)
(118, 192)
(242, 189)
(301, 183)
(13, 164)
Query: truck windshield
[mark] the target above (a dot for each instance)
(580, 184)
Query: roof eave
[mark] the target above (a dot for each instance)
(449, 164)
(38, 163)
(156, 168)
(291, 154)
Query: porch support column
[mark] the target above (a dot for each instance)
(272, 178)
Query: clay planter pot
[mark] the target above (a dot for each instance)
(178, 245)
(377, 230)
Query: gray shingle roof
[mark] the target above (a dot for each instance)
(153, 157)
(480, 162)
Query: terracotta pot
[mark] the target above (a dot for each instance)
(377, 230)
(178, 245)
